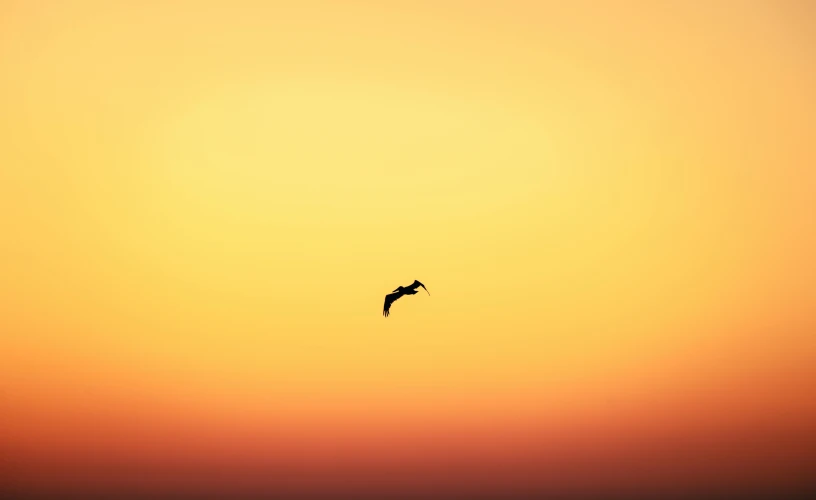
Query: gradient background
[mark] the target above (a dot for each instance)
(202, 205)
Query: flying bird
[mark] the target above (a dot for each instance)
(399, 292)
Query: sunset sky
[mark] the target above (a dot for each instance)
(203, 204)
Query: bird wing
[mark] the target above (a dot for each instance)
(389, 299)
(416, 284)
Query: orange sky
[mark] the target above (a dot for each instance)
(204, 203)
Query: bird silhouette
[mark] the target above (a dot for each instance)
(399, 292)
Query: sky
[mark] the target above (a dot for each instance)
(203, 204)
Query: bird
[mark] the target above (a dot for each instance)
(399, 292)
